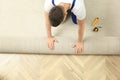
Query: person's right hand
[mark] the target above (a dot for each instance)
(50, 42)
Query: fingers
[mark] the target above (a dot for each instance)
(51, 44)
(78, 47)
(56, 40)
(78, 50)
(82, 48)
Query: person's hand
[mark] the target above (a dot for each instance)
(78, 47)
(50, 42)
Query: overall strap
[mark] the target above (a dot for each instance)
(53, 2)
(73, 4)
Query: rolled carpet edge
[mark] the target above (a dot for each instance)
(102, 45)
(92, 45)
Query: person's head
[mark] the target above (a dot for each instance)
(57, 15)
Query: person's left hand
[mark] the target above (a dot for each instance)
(78, 47)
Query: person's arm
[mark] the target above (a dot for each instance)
(79, 44)
(81, 24)
(50, 38)
(48, 25)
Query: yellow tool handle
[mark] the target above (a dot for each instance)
(95, 21)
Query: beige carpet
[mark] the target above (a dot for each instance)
(22, 28)
(59, 67)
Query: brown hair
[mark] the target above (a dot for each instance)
(56, 15)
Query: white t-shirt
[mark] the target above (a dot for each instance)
(78, 9)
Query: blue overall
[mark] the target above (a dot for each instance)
(72, 14)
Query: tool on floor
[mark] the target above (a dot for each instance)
(95, 21)
(96, 29)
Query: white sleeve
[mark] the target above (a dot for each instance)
(81, 14)
(48, 5)
(80, 10)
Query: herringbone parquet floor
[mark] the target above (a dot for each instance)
(59, 67)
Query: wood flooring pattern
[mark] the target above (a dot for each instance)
(59, 67)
